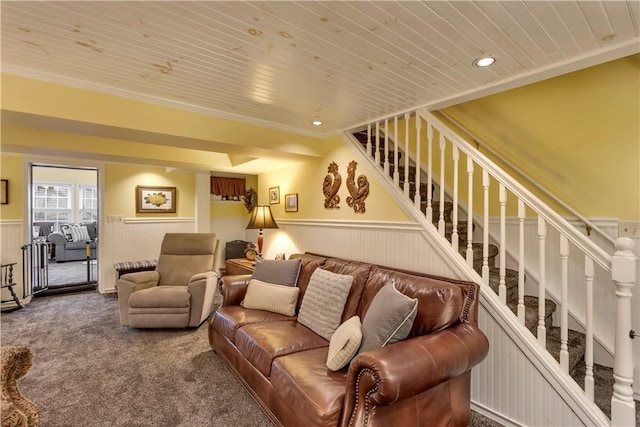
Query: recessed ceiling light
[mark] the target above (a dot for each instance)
(317, 122)
(484, 62)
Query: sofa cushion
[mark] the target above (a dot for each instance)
(267, 296)
(228, 319)
(303, 381)
(261, 343)
(161, 296)
(389, 318)
(277, 272)
(323, 303)
(344, 344)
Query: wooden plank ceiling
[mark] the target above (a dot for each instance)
(284, 64)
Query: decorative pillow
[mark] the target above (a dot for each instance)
(323, 302)
(275, 298)
(389, 318)
(75, 233)
(277, 272)
(344, 344)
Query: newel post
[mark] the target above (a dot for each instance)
(623, 273)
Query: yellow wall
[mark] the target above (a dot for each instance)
(578, 135)
(307, 179)
(231, 209)
(11, 169)
(120, 190)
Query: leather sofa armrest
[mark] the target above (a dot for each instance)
(234, 288)
(388, 374)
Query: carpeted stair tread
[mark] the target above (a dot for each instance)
(575, 343)
(531, 312)
(511, 282)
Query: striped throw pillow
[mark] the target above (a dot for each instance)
(275, 298)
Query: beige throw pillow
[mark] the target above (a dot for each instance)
(323, 302)
(344, 344)
(275, 298)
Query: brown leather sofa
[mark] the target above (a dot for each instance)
(421, 381)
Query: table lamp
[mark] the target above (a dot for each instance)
(261, 218)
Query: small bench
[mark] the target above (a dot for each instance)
(134, 266)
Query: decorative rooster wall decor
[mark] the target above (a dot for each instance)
(358, 192)
(330, 187)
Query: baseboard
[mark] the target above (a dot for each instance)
(494, 416)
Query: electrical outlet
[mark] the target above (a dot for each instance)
(629, 229)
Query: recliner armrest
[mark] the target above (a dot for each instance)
(388, 374)
(203, 276)
(130, 283)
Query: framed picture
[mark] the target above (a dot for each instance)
(155, 199)
(291, 202)
(274, 195)
(4, 192)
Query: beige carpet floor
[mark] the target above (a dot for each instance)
(90, 371)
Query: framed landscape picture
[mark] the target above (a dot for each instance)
(291, 202)
(155, 199)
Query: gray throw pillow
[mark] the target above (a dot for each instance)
(323, 302)
(277, 272)
(389, 318)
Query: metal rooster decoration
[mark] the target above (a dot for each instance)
(330, 187)
(357, 192)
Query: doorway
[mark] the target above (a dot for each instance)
(63, 212)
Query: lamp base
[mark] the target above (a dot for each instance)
(260, 241)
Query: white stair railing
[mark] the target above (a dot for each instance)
(559, 262)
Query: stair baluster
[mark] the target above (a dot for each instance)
(386, 147)
(469, 256)
(485, 229)
(454, 233)
(416, 198)
(564, 305)
(588, 352)
(396, 175)
(443, 146)
(502, 287)
(429, 211)
(406, 155)
(542, 289)
(521, 306)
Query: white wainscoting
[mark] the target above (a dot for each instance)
(11, 237)
(131, 240)
(509, 387)
(395, 244)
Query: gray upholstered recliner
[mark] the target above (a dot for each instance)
(180, 292)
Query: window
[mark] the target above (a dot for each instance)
(88, 208)
(52, 203)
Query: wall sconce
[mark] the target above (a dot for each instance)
(261, 218)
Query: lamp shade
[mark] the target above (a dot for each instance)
(261, 218)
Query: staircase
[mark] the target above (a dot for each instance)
(382, 149)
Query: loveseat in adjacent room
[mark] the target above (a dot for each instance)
(70, 243)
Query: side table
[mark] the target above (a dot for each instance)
(235, 266)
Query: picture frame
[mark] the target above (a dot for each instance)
(291, 202)
(4, 192)
(154, 199)
(274, 195)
